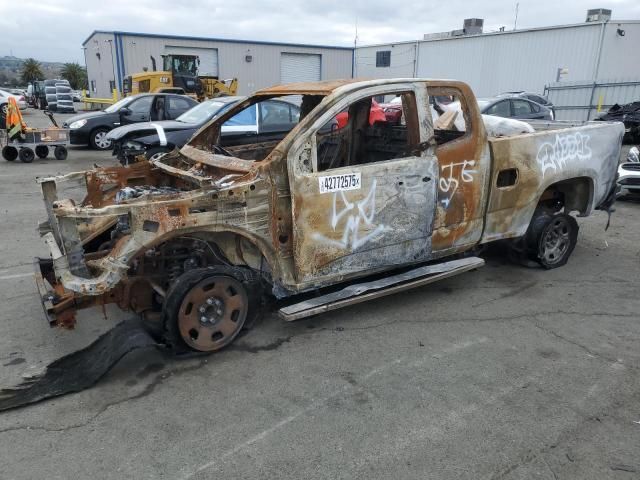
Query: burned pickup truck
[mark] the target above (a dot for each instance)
(327, 215)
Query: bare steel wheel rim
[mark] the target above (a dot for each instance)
(556, 240)
(212, 313)
(157, 156)
(101, 141)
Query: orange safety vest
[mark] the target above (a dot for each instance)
(15, 123)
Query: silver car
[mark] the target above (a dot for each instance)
(514, 107)
(20, 100)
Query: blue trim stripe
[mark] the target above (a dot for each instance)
(227, 40)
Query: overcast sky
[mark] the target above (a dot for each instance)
(54, 30)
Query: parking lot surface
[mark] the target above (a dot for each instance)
(506, 372)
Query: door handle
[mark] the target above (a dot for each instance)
(426, 179)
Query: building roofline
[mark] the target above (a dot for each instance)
(506, 32)
(211, 39)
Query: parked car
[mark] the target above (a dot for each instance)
(268, 121)
(129, 141)
(534, 97)
(514, 107)
(376, 114)
(76, 95)
(92, 128)
(629, 173)
(20, 99)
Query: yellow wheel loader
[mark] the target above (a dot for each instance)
(179, 75)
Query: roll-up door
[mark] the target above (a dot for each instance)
(300, 67)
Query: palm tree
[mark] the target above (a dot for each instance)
(31, 71)
(76, 75)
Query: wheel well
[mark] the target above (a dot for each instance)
(575, 194)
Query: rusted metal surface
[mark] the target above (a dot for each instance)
(579, 162)
(272, 208)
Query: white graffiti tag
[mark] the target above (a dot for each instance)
(355, 215)
(451, 175)
(566, 148)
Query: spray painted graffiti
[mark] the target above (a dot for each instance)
(450, 177)
(353, 215)
(566, 148)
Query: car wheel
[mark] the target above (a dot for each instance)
(42, 151)
(26, 155)
(98, 139)
(60, 152)
(552, 238)
(156, 153)
(206, 308)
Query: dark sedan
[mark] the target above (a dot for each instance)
(92, 128)
(514, 107)
(268, 120)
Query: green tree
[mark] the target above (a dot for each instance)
(31, 71)
(76, 75)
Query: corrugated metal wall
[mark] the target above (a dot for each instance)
(134, 52)
(580, 100)
(523, 60)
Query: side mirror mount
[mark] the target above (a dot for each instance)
(125, 112)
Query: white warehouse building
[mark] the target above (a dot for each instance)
(596, 62)
(111, 55)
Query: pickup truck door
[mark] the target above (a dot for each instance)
(363, 195)
(464, 165)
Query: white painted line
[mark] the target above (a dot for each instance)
(15, 275)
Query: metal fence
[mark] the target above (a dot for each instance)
(586, 100)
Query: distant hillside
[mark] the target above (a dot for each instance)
(10, 70)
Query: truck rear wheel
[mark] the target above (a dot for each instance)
(206, 308)
(552, 238)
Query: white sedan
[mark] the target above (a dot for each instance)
(629, 173)
(20, 99)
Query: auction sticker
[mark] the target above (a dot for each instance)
(340, 183)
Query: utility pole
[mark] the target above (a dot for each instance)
(515, 22)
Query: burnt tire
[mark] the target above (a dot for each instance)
(552, 238)
(9, 153)
(42, 151)
(26, 155)
(179, 336)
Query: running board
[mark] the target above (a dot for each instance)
(362, 292)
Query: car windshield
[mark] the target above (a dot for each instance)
(204, 111)
(118, 105)
(483, 103)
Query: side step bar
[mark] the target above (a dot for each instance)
(362, 292)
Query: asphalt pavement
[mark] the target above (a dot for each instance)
(506, 372)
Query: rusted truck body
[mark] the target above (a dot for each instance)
(193, 240)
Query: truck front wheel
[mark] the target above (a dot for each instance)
(206, 308)
(552, 238)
